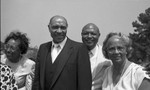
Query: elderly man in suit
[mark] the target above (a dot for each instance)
(90, 36)
(62, 64)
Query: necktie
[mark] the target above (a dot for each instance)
(90, 54)
(55, 52)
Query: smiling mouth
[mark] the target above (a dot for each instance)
(116, 57)
(89, 41)
(60, 36)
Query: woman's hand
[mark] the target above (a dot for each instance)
(21, 81)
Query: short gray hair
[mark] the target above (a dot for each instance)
(127, 41)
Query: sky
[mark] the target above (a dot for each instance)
(32, 17)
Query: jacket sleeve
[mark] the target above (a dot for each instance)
(84, 69)
(36, 81)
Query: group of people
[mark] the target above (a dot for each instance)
(64, 64)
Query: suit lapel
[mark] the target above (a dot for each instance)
(46, 56)
(63, 57)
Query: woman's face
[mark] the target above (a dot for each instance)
(116, 49)
(12, 50)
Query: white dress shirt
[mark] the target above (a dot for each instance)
(98, 66)
(93, 57)
(56, 49)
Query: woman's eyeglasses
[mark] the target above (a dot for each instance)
(10, 47)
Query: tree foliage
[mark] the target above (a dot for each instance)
(141, 37)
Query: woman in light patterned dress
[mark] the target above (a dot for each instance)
(16, 45)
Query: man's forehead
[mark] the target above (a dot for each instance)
(58, 20)
(91, 27)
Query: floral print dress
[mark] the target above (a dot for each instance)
(7, 78)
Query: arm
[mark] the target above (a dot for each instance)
(147, 69)
(30, 77)
(84, 70)
(100, 70)
(145, 85)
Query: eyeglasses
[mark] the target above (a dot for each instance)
(10, 47)
(57, 27)
(113, 49)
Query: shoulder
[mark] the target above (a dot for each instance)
(28, 65)
(138, 71)
(75, 43)
(28, 62)
(45, 44)
(136, 67)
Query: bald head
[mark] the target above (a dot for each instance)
(90, 35)
(91, 26)
(58, 18)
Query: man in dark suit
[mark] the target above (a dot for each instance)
(62, 64)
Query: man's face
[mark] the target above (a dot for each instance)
(58, 29)
(90, 36)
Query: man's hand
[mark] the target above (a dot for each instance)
(147, 69)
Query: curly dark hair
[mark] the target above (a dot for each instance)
(23, 39)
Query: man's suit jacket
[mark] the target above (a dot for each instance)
(73, 71)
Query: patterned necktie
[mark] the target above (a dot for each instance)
(90, 54)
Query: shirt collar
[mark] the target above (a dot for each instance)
(61, 43)
(94, 49)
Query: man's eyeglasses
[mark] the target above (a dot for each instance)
(57, 27)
